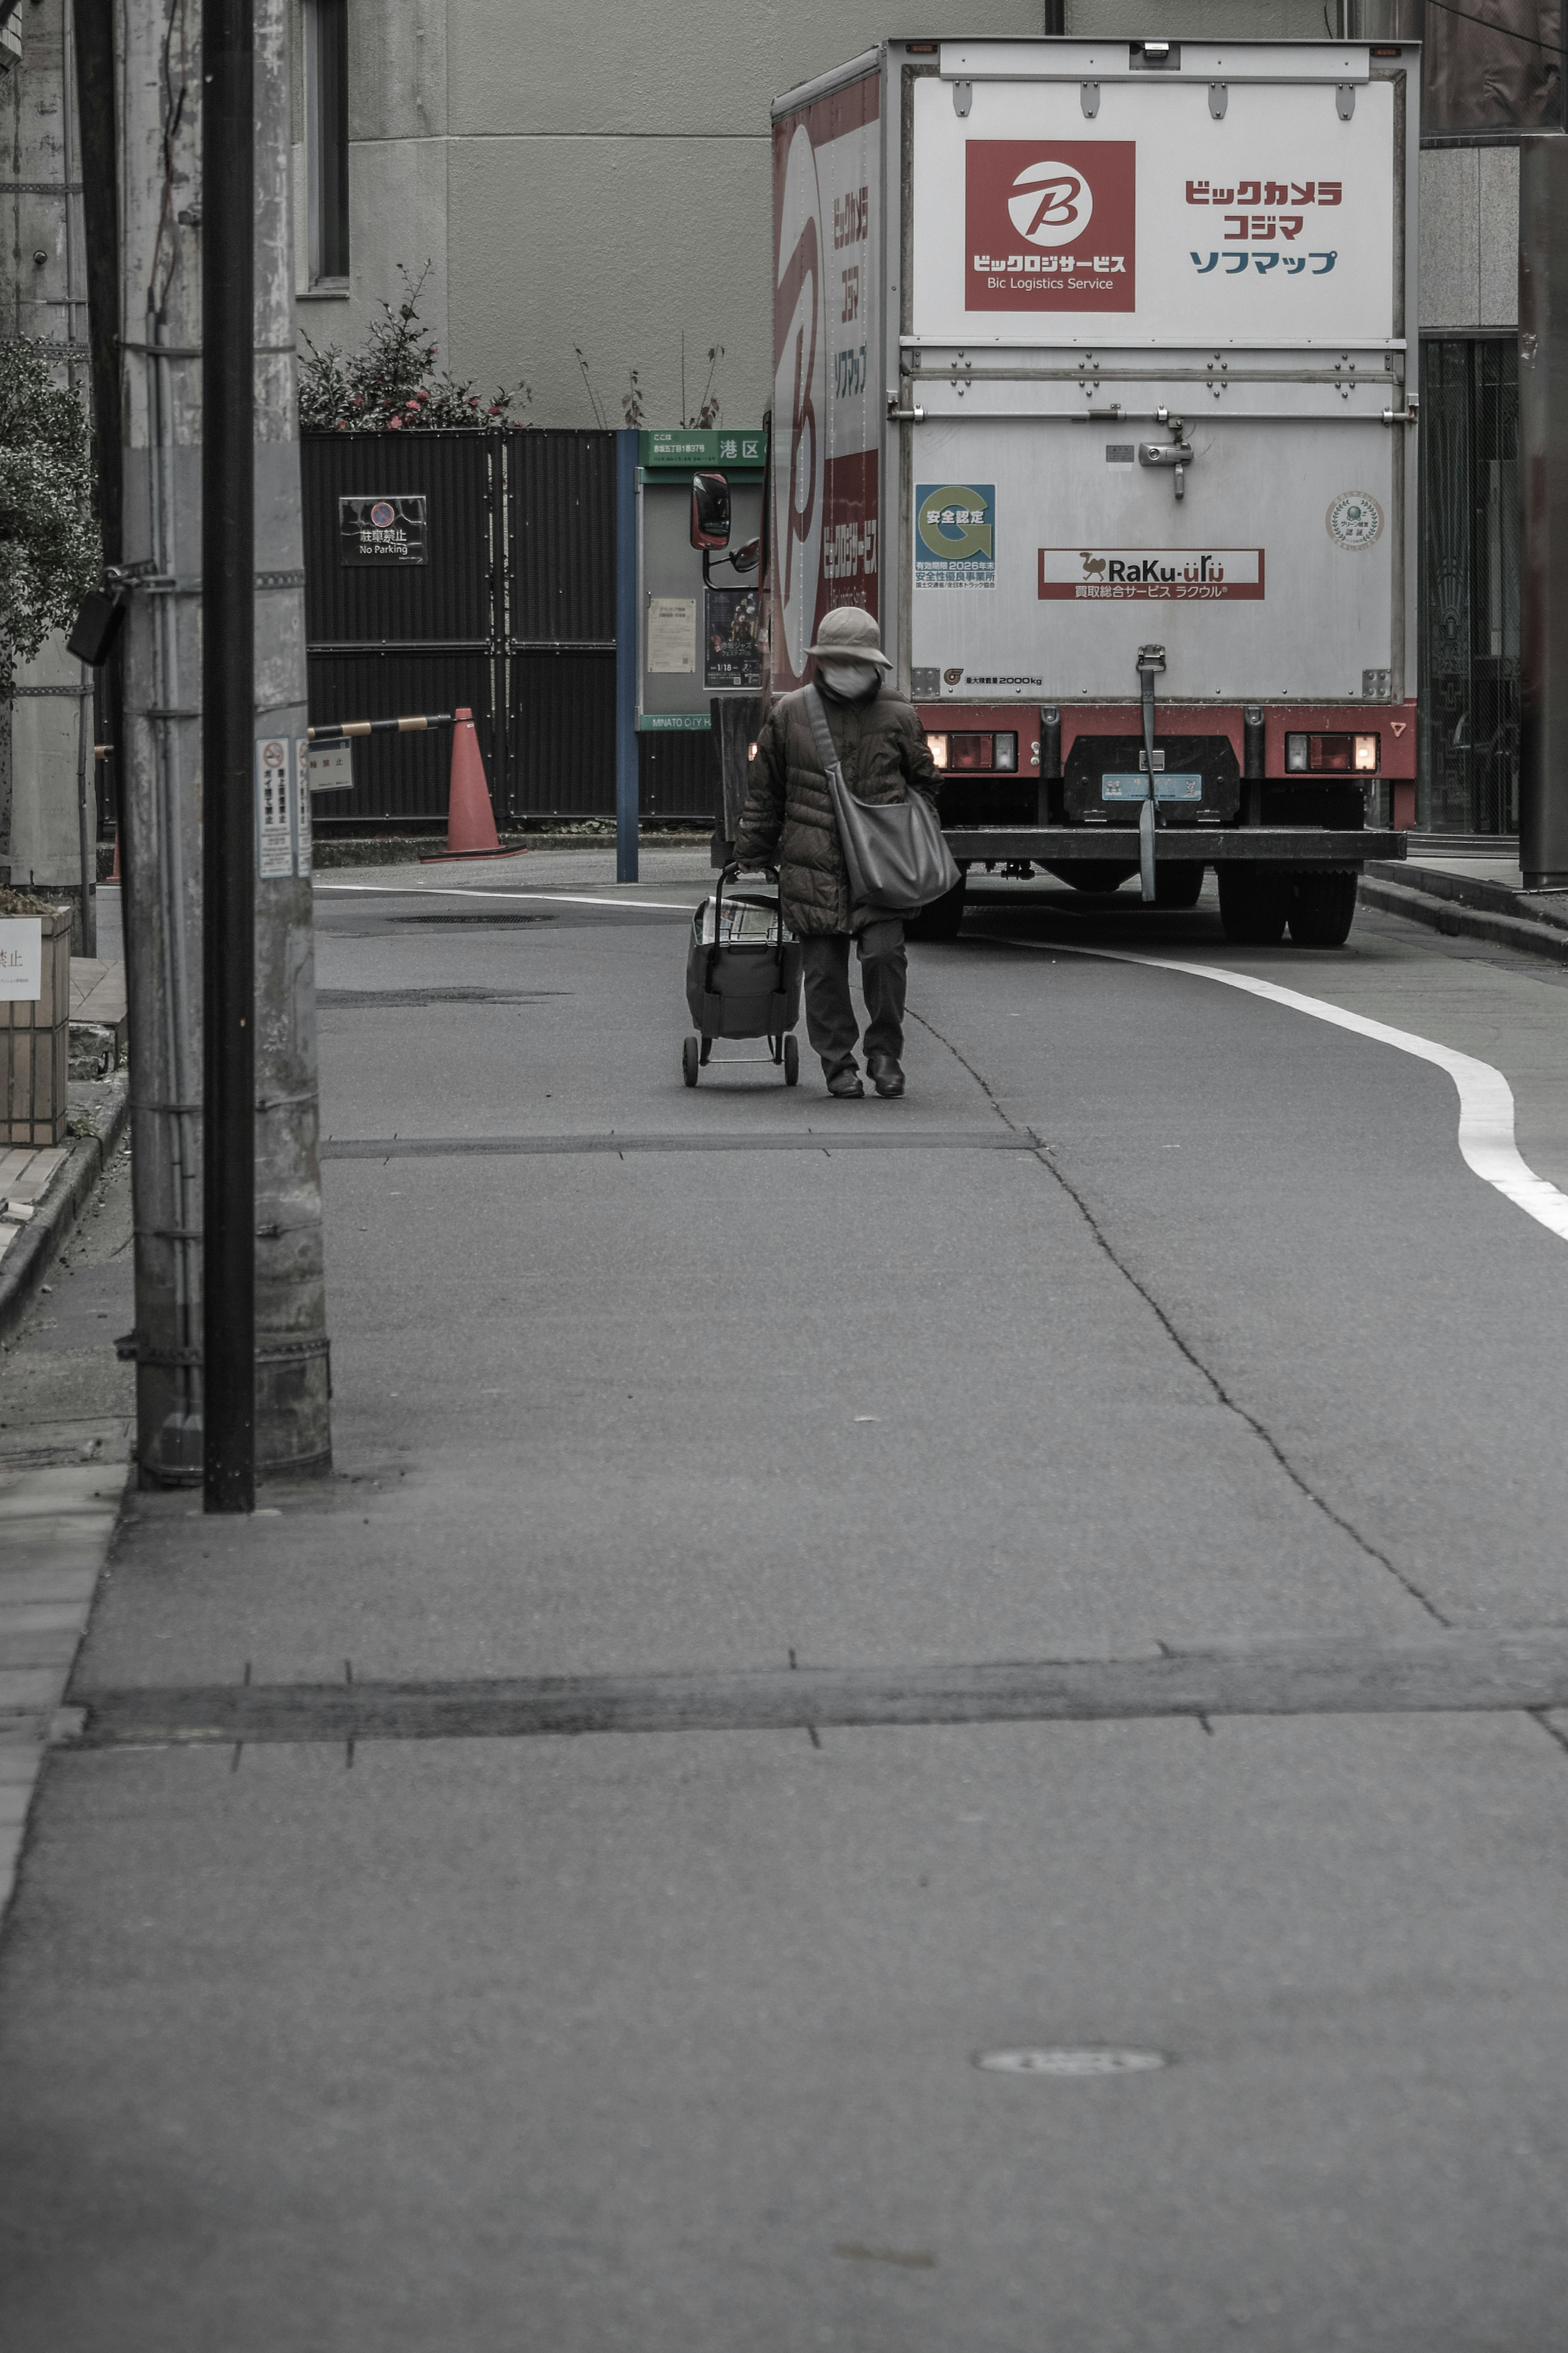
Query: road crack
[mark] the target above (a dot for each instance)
(1041, 1153)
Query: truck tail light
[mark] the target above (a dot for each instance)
(973, 753)
(1332, 756)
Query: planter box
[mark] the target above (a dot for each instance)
(34, 1047)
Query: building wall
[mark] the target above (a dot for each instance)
(1470, 239)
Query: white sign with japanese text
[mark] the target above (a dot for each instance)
(671, 636)
(1154, 223)
(274, 816)
(21, 959)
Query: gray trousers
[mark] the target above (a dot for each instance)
(830, 1022)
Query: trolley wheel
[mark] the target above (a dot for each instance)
(792, 1061)
(1254, 902)
(688, 1060)
(1322, 909)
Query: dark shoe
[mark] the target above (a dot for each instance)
(846, 1082)
(885, 1072)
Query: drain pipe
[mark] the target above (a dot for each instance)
(174, 1452)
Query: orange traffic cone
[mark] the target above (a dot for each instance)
(470, 820)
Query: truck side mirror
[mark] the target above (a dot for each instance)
(709, 511)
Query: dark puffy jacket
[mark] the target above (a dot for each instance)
(789, 821)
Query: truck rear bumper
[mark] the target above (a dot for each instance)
(1271, 845)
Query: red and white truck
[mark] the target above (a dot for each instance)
(1095, 379)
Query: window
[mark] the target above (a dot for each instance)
(326, 136)
(1469, 586)
(1489, 69)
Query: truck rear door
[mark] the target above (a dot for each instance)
(1120, 250)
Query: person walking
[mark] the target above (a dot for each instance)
(788, 822)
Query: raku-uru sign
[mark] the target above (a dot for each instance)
(1192, 576)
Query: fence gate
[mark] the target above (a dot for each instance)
(444, 568)
(402, 615)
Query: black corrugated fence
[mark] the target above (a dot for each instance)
(444, 568)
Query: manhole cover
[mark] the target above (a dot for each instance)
(1071, 2062)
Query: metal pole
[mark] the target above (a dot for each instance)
(228, 700)
(86, 816)
(1543, 480)
(627, 639)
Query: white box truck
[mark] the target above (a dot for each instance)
(1095, 379)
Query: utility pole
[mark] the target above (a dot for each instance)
(168, 216)
(228, 707)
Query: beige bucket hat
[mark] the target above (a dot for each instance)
(850, 634)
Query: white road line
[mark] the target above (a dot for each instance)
(467, 891)
(1485, 1099)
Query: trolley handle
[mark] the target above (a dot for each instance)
(732, 870)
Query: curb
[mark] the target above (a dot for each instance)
(38, 1244)
(408, 850)
(1541, 935)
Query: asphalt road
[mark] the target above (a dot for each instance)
(1156, 1317)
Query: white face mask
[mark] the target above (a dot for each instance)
(847, 677)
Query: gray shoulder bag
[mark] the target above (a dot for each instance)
(894, 850)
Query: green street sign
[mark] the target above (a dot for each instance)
(690, 448)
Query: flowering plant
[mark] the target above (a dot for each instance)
(392, 386)
(51, 553)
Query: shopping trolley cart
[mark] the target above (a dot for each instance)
(742, 979)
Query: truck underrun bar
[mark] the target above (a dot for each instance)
(1266, 845)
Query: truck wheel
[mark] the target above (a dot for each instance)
(1100, 875)
(1322, 909)
(942, 919)
(1178, 886)
(1254, 903)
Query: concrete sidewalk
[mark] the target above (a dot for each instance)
(1478, 897)
(337, 2011)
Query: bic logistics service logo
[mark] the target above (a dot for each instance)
(955, 534)
(1051, 227)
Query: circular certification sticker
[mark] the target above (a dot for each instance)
(1355, 521)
